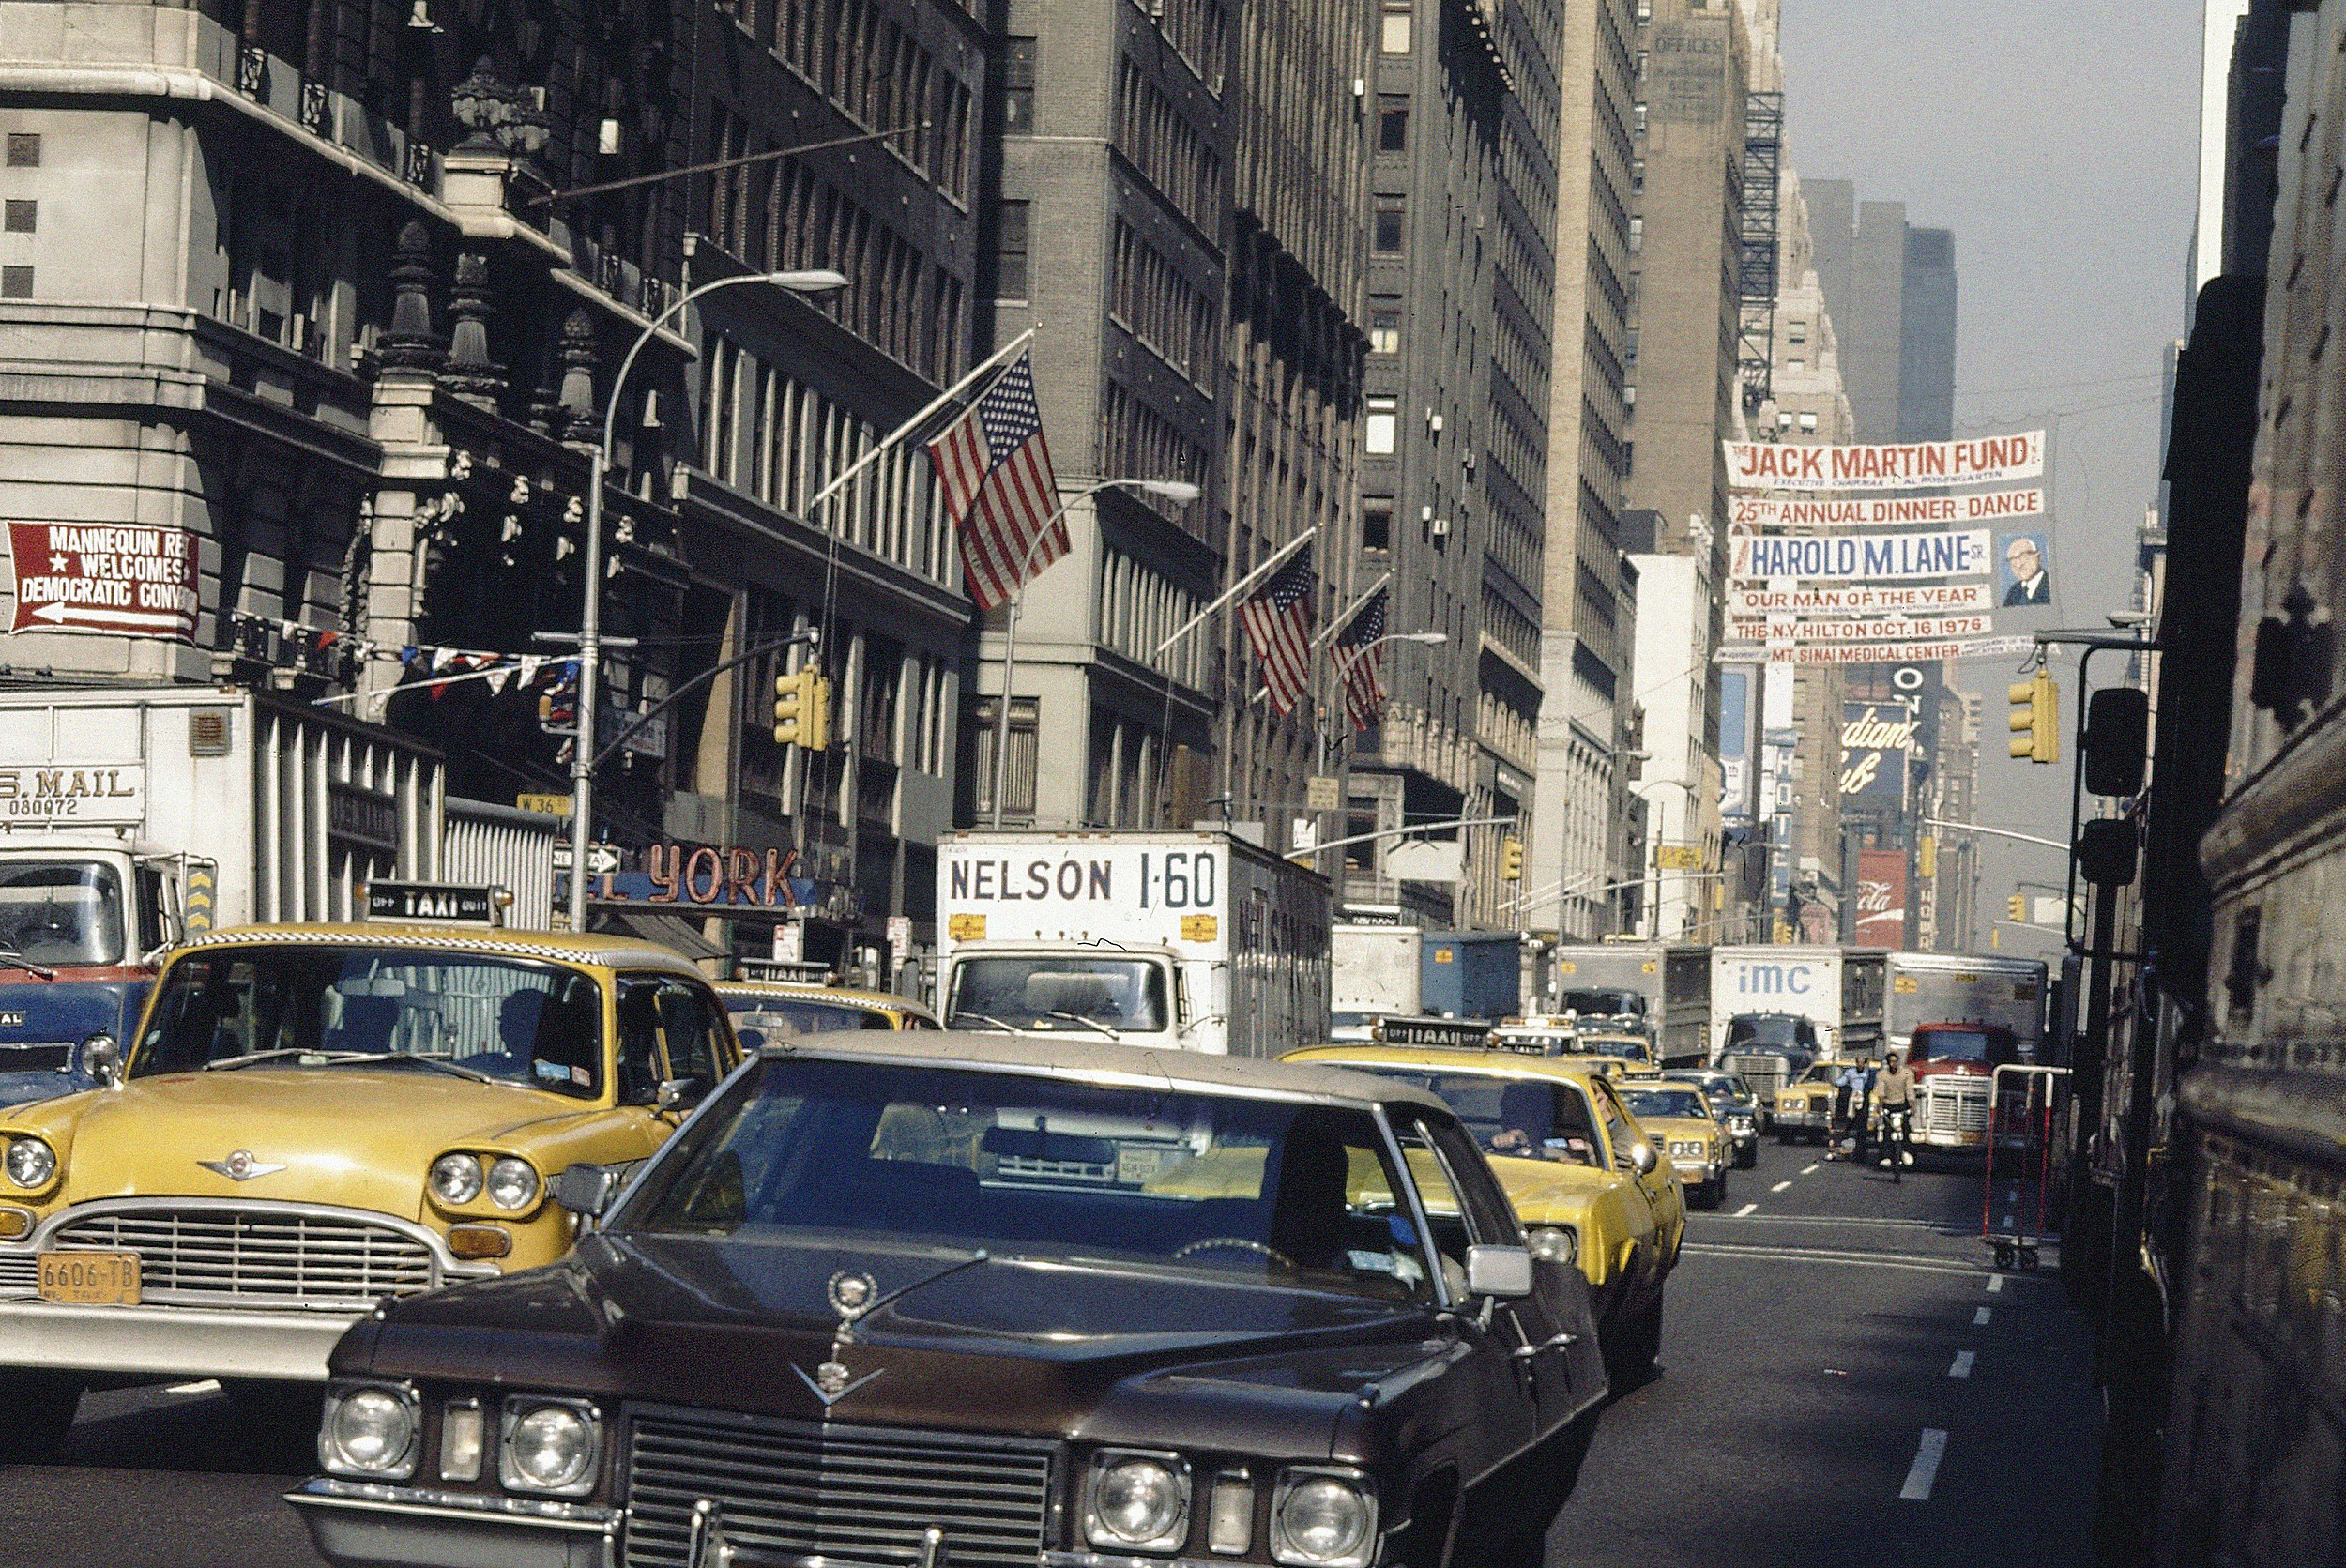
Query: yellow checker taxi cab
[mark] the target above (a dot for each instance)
(1603, 1049)
(1686, 1132)
(1803, 1107)
(312, 1118)
(1581, 1173)
(781, 1008)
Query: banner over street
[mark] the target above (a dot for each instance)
(1907, 466)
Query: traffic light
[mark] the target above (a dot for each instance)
(2017, 907)
(2036, 717)
(802, 709)
(1511, 860)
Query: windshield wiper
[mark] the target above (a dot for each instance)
(10, 957)
(983, 1019)
(282, 1050)
(1088, 1022)
(402, 1058)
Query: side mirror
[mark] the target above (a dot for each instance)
(1505, 1272)
(1641, 1158)
(102, 1059)
(584, 1189)
(678, 1094)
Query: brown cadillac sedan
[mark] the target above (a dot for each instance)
(945, 1301)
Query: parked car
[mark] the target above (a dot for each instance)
(1685, 1131)
(917, 1277)
(1582, 1175)
(787, 1008)
(313, 1118)
(1738, 1108)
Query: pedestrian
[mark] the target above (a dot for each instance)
(1861, 1141)
(1894, 1095)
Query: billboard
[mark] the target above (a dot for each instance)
(1877, 737)
(1880, 898)
(1906, 465)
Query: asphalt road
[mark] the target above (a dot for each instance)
(1824, 1325)
(1845, 1380)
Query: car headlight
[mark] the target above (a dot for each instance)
(1136, 1501)
(513, 1183)
(1325, 1519)
(456, 1177)
(549, 1445)
(370, 1430)
(1557, 1243)
(1688, 1147)
(31, 1163)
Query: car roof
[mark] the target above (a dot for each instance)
(594, 948)
(1094, 1058)
(855, 996)
(1513, 1064)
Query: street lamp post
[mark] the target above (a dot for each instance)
(1172, 489)
(590, 608)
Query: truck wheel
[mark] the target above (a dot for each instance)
(40, 1408)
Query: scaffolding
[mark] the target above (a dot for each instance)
(1757, 247)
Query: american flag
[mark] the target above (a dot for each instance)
(1278, 621)
(1000, 490)
(1360, 665)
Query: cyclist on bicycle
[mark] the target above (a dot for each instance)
(1893, 1100)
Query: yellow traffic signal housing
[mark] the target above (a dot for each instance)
(1511, 860)
(2016, 906)
(2035, 718)
(802, 709)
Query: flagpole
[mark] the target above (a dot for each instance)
(806, 511)
(1277, 560)
(1344, 616)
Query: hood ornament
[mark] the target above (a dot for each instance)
(832, 1382)
(852, 1295)
(240, 1167)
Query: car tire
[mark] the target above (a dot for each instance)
(1632, 1346)
(1718, 1190)
(1748, 1155)
(40, 1407)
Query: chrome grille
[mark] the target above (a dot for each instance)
(258, 1257)
(1954, 1109)
(795, 1489)
(20, 1275)
(1764, 1074)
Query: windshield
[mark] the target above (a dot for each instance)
(1768, 1030)
(61, 912)
(1055, 992)
(309, 1006)
(1734, 1090)
(1532, 1042)
(1608, 1001)
(1611, 1046)
(1527, 1117)
(1665, 1103)
(1959, 1045)
(1037, 1167)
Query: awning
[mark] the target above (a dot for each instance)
(669, 931)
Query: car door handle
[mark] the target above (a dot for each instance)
(1562, 1341)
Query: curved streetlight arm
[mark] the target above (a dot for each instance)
(1179, 490)
(582, 754)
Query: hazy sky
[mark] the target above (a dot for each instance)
(2060, 144)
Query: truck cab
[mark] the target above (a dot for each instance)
(1953, 1066)
(1769, 1050)
(85, 920)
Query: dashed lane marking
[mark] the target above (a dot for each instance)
(1780, 1186)
(1980, 1316)
(1925, 1470)
(1745, 1210)
(1995, 1282)
(1808, 1170)
(208, 1385)
(1962, 1368)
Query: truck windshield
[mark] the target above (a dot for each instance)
(1769, 1030)
(1961, 1045)
(1605, 1003)
(61, 912)
(1040, 1168)
(316, 1006)
(1053, 991)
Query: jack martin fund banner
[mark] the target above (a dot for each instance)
(1911, 465)
(103, 577)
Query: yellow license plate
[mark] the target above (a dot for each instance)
(90, 1278)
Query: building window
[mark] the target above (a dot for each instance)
(1017, 86)
(19, 216)
(1393, 122)
(1637, 235)
(1796, 331)
(1384, 330)
(1795, 364)
(1784, 420)
(1386, 227)
(1637, 173)
(1377, 524)
(1808, 421)
(1379, 430)
(24, 149)
(1010, 252)
(1395, 38)
(1018, 779)
(1636, 119)
(16, 283)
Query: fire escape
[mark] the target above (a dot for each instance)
(1757, 252)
